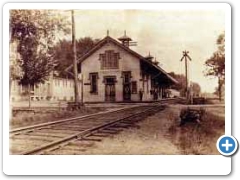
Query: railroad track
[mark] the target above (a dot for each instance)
(49, 138)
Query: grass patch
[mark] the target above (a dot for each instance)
(193, 138)
(27, 119)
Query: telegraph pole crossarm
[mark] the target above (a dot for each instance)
(186, 57)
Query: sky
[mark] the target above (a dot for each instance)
(163, 33)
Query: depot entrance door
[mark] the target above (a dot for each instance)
(110, 92)
(126, 85)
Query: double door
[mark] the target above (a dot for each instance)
(127, 86)
(110, 91)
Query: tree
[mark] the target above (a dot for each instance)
(36, 31)
(44, 25)
(216, 64)
(16, 72)
(181, 86)
(196, 88)
(37, 64)
(216, 92)
(63, 54)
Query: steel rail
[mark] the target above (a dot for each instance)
(68, 120)
(82, 117)
(83, 133)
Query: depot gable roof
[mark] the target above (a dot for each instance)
(108, 39)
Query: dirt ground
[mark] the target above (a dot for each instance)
(161, 134)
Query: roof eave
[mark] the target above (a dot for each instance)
(161, 70)
(108, 38)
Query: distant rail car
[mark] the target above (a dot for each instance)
(199, 100)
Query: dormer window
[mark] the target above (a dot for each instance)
(109, 60)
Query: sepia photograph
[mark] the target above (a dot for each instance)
(116, 81)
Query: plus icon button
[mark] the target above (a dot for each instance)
(227, 145)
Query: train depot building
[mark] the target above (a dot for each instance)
(112, 72)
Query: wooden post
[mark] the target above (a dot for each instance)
(186, 57)
(186, 73)
(59, 106)
(75, 61)
(10, 99)
(219, 89)
(29, 95)
(82, 90)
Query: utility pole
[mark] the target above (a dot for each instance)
(186, 57)
(186, 68)
(75, 60)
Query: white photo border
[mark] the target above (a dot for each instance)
(115, 164)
